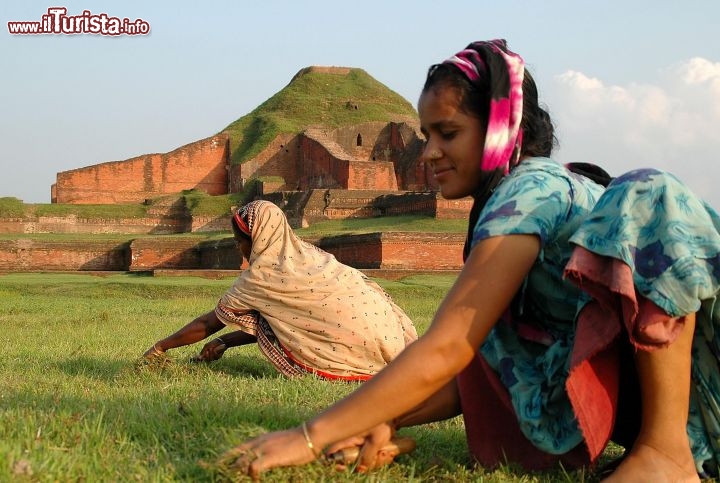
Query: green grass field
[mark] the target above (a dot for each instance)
(77, 404)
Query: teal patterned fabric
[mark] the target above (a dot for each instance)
(646, 218)
(539, 197)
(670, 239)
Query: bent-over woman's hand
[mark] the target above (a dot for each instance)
(153, 353)
(211, 351)
(272, 450)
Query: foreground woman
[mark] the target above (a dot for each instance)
(581, 314)
(308, 312)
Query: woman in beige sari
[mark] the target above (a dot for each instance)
(308, 312)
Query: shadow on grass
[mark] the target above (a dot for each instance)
(91, 367)
(102, 369)
(169, 437)
(232, 364)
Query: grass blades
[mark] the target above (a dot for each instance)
(78, 404)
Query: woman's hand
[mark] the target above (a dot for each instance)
(374, 448)
(153, 353)
(211, 351)
(281, 448)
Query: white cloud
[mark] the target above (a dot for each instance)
(698, 70)
(672, 122)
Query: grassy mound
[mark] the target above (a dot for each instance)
(314, 98)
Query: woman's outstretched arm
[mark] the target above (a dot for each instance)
(493, 273)
(195, 331)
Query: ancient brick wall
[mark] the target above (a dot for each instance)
(211, 223)
(412, 172)
(336, 204)
(359, 140)
(407, 203)
(452, 209)
(307, 207)
(303, 163)
(200, 165)
(151, 253)
(26, 255)
(397, 250)
(422, 252)
(403, 251)
(221, 255)
(321, 158)
(367, 175)
(279, 158)
(359, 251)
(184, 254)
(73, 224)
(318, 168)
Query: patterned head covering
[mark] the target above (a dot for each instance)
(503, 72)
(491, 67)
(244, 218)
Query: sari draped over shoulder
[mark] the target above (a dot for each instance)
(309, 312)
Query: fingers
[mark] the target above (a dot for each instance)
(385, 457)
(233, 454)
(370, 460)
(282, 448)
(211, 351)
(257, 466)
(242, 460)
(208, 353)
(378, 452)
(355, 441)
(153, 353)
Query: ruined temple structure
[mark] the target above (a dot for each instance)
(369, 140)
(201, 165)
(332, 144)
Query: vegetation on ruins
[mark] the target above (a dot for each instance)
(314, 98)
(11, 207)
(199, 203)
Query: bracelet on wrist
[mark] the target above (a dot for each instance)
(309, 442)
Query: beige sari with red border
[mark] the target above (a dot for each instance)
(309, 312)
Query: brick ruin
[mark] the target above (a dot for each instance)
(378, 251)
(377, 155)
(372, 156)
(364, 170)
(201, 165)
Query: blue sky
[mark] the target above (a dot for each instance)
(629, 83)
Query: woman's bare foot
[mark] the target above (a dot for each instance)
(648, 464)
